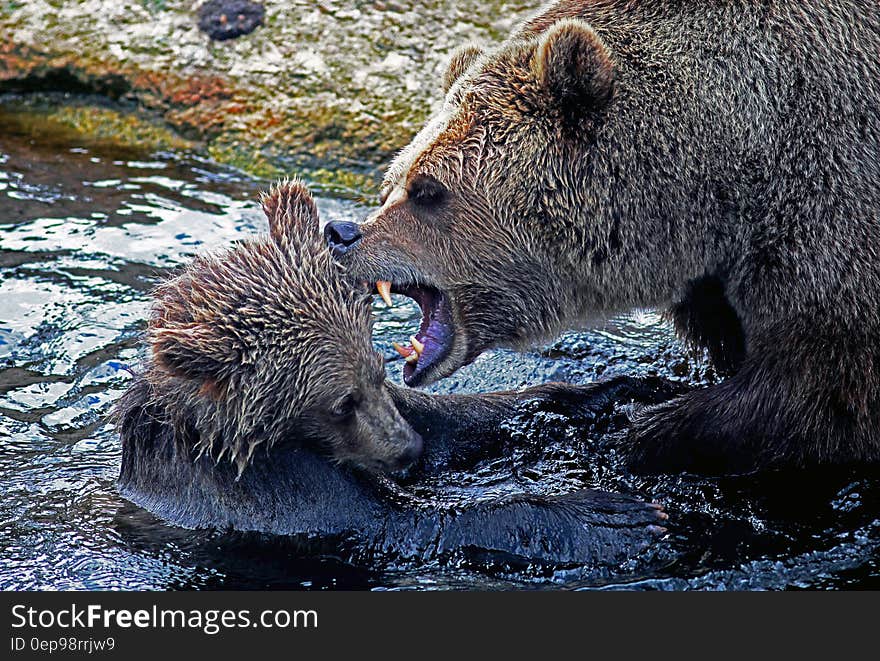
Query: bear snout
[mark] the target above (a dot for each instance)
(410, 453)
(342, 236)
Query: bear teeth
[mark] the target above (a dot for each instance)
(410, 354)
(384, 288)
(418, 346)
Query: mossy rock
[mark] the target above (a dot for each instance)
(333, 87)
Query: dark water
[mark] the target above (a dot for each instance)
(85, 231)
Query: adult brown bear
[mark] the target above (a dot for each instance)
(718, 159)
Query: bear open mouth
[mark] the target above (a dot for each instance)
(433, 341)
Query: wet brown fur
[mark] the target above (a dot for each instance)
(267, 341)
(715, 158)
(262, 366)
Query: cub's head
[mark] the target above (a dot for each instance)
(476, 223)
(268, 342)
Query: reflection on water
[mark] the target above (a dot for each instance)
(86, 230)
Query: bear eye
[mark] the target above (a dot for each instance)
(345, 407)
(426, 191)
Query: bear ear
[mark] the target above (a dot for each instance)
(291, 211)
(462, 58)
(193, 351)
(573, 65)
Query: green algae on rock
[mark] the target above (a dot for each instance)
(88, 122)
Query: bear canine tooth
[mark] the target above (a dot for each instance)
(406, 352)
(413, 358)
(384, 287)
(418, 346)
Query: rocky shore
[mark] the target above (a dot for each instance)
(327, 88)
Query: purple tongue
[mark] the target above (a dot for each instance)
(436, 334)
(435, 338)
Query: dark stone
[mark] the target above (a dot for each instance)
(228, 19)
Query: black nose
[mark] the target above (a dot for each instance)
(342, 236)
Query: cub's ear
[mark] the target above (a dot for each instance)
(575, 68)
(194, 351)
(462, 58)
(291, 211)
